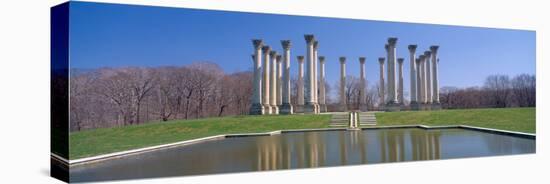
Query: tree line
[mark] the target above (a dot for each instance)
(498, 91)
(111, 97)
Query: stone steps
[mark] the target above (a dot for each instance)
(339, 119)
(367, 119)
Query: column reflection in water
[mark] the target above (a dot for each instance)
(304, 150)
(310, 149)
(425, 144)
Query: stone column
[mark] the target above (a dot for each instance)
(315, 76)
(300, 95)
(412, 63)
(257, 108)
(435, 77)
(286, 107)
(309, 97)
(428, 78)
(362, 85)
(392, 42)
(423, 88)
(343, 104)
(381, 92)
(273, 83)
(400, 72)
(388, 73)
(418, 82)
(322, 95)
(279, 81)
(265, 81)
(393, 104)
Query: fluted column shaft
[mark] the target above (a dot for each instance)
(322, 95)
(300, 95)
(273, 83)
(256, 107)
(343, 104)
(382, 82)
(279, 80)
(389, 74)
(363, 85)
(435, 78)
(286, 107)
(309, 97)
(428, 77)
(400, 71)
(266, 79)
(424, 79)
(412, 63)
(315, 73)
(418, 80)
(393, 55)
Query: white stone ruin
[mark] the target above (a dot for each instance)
(272, 88)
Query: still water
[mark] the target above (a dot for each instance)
(305, 150)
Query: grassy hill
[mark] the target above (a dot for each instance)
(514, 119)
(108, 140)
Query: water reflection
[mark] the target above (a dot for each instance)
(306, 150)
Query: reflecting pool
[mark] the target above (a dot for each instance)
(305, 150)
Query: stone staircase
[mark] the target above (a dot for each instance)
(367, 118)
(339, 119)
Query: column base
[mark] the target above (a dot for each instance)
(436, 106)
(310, 108)
(343, 108)
(323, 107)
(256, 109)
(286, 108)
(381, 107)
(393, 107)
(425, 106)
(317, 108)
(363, 108)
(428, 106)
(415, 106)
(298, 109)
(274, 109)
(267, 109)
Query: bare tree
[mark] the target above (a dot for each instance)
(113, 86)
(141, 81)
(499, 89)
(524, 90)
(167, 98)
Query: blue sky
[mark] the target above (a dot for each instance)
(111, 35)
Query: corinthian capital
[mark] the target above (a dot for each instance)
(434, 49)
(381, 60)
(400, 61)
(392, 41)
(309, 38)
(321, 59)
(286, 44)
(300, 59)
(257, 43)
(273, 54)
(342, 59)
(266, 49)
(362, 60)
(412, 48)
(427, 53)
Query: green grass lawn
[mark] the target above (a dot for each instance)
(109, 140)
(514, 119)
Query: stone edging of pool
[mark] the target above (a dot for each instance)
(109, 156)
